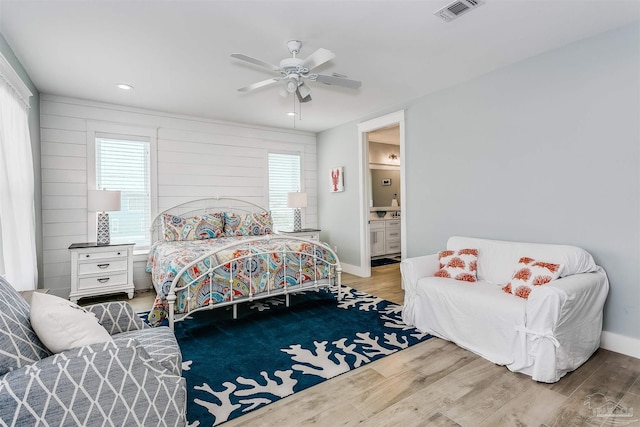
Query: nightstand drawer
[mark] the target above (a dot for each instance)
(82, 256)
(310, 234)
(102, 280)
(104, 266)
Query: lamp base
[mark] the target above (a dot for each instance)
(297, 220)
(103, 237)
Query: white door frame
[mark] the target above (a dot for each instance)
(363, 151)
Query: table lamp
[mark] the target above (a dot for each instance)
(297, 200)
(102, 202)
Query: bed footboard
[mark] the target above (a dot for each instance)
(249, 270)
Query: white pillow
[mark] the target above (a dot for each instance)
(62, 325)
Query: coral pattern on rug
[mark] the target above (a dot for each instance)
(271, 351)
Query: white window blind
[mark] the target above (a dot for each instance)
(125, 165)
(284, 177)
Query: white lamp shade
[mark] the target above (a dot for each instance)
(296, 200)
(103, 201)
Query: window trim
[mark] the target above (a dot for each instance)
(302, 175)
(96, 129)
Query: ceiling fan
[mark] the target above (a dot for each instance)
(294, 72)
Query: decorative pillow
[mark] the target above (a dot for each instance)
(207, 226)
(62, 325)
(251, 224)
(459, 265)
(530, 273)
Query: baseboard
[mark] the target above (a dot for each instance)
(620, 344)
(352, 269)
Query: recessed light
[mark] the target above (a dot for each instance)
(291, 113)
(124, 86)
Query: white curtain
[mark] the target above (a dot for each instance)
(17, 204)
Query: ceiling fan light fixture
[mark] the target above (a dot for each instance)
(291, 86)
(124, 86)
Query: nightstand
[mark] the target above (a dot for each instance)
(101, 269)
(307, 233)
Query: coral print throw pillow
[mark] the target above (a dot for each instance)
(460, 265)
(529, 274)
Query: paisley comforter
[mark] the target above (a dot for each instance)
(251, 266)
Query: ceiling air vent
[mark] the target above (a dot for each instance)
(457, 8)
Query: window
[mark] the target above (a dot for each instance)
(125, 165)
(284, 177)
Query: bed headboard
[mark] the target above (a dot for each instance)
(201, 207)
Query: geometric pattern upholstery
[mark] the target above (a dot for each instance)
(160, 343)
(113, 384)
(117, 317)
(134, 380)
(19, 344)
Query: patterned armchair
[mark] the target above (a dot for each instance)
(134, 380)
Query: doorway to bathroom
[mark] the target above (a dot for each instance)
(382, 189)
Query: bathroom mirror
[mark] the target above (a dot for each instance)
(384, 169)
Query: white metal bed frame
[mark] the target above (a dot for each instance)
(238, 206)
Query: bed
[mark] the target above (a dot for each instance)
(219, 252)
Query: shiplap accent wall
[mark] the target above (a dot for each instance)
(197, 158)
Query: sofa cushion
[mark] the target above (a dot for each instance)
(19, 344)
(473, 315)
(62, 325)
(530, 273)
(459, 265)
(160, 343)
(496, 259)
(104, 384)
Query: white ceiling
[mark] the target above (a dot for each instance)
(176, 53)
(388, 135)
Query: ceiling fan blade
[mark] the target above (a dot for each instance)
(338, 81)
(257, 85)
(255, 61)
(304, 90)
(318, 58)
(301, 98)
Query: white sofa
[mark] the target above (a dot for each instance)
(551, 333)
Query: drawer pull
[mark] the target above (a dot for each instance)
(119, 253)
(393, 234)
(103, 265)
(87, 255)
(103, 280)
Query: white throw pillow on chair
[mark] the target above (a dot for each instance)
(62, 325)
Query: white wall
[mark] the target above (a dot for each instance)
(338, 212)
(197, 158)
(544, 150)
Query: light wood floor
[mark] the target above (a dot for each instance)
(436, 383)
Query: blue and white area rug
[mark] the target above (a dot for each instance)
(271, 351)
